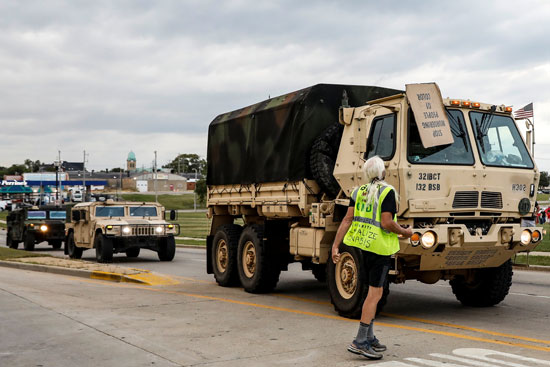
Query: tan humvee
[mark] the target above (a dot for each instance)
(112, 227)
(466, 185)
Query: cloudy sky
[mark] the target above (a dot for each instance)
(113, 76)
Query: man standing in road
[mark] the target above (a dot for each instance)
(370, 225)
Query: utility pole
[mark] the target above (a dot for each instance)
(121, 170)
(155, 168)
(195, 192)
(84, 175)
(57, 177)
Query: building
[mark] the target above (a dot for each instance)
(165, 182)
(131, 162)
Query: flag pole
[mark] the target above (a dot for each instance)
(533, 130)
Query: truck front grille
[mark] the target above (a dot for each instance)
(143, 231)
(491, 200)
(466, 199)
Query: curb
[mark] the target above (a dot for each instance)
(191, 246)
(532, 268)
(144, 278)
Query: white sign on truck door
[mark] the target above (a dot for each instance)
(430, 115)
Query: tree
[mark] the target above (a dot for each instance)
(200, 190)
(187, 163)
(544, 179)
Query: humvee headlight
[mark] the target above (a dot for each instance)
(536, 236)
(525, 237)
(126, 230)
(158, 229)
(415, 239)
(428, 239)
(43, 228)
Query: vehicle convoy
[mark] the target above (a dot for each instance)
(33, 224)
(287, 166)
(114, 227)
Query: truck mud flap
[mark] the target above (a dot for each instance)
(209, 241)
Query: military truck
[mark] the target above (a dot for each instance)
(287, 166)
(114, 227)
(33, 224)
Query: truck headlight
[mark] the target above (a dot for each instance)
(126, 230)
(536, 236)
(158, 229)
(525, 237)
(428, 239)
(43, 228)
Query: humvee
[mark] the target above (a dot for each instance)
(33, 224)
(287, 166)
(114, 227)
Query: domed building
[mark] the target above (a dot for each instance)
(131, 162)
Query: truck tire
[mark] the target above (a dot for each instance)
(320, 272)
(224, 254)
(258, 272)
(73, 251)
(28, 243)
(348, 283)
(489, 287)
(133, 252)
(103, 248)
(167, 248)
(10, 242)
(322, 158)
(56, 244)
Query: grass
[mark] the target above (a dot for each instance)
(9, 253)
(181, 201)
(543, 197)
(533, 260)
(544, 245)
(192, 242)
(3, 216)
(193, 224)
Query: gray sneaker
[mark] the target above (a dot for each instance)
(364, 350)
(377, 347)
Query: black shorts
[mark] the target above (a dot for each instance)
(376, 268)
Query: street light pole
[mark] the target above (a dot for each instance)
(84, 174)
(155, 167)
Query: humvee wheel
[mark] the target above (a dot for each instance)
(167, 248)
(103, 249)
(348, 283)
(28, 243)
(56, 244)
(224, 254)
(10, 242)
(133, 252)
(257, 273)
(73, 251)
(489, 287)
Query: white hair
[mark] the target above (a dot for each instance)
(374, 171)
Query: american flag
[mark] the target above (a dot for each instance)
(525, 112)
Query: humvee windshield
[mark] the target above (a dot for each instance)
(143, 211)
(459, 152)
(498, 141)
(58, 215)
(36, 215)
(109, 211)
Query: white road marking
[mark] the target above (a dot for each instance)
(483, 353)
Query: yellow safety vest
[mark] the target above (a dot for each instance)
(366, 230)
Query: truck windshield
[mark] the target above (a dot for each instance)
(498, 141)
(109, 211)
(58, 215)
(143, 211)
(459, 152)
(36, 215)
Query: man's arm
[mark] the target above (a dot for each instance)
(389, 225)
(342, 230)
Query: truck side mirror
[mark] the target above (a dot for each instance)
(173, 214)
(75, 215)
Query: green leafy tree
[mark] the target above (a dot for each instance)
(200, 190)
(544, 179)
(187, 163)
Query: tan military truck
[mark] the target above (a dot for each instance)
(287, 166)
(114, 227)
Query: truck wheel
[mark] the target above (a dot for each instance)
(489, 287)
(258, 272)
(224, 254)
(133, 252)
(10, 242)
(167, 249)
(348, 283)
(322, 158)
(103, 249)
(28, 243)
(56, 244)
(73, 251)
(319, 272)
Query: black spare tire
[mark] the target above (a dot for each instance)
(322, 159)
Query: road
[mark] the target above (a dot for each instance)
(53, 320)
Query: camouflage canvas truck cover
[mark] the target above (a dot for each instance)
(32, 225)
(113, 227)
(287, 166)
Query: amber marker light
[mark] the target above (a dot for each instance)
(466, 103)
(415, 239)
(535, 237)
(508, 109)
(455, 103)
(476, 105)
